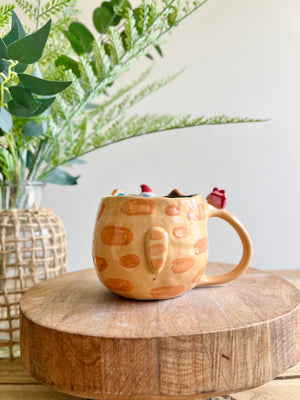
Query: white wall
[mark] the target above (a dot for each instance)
(243, 59)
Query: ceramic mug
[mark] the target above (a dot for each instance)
(157, 248)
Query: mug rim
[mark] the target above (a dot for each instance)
(138, 197)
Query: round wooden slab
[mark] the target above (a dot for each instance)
(79, 338)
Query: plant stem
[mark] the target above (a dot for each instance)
(5, 80)
(38, 159)
(37, 16)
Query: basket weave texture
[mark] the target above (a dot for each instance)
(33, 248)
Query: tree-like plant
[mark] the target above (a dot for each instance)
(43, 129)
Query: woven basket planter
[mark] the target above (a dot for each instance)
(33, 248)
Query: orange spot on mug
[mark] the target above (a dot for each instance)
(138, 207)
(172, 210)
(182, 264)
(130, 260)
(119, 285)
(180, 232)
(101, 263)
(116, 235)
(167, 291)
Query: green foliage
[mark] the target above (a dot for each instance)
(45, 12)
(29, 49)
(109, 14)
(7, 166)
(80, 38)
(41, 134)
(43, 87)
(5, 13)
(60, 177)
(21, 100)
(32, 128)
(23, 97)
(5, 121)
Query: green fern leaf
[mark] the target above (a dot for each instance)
(102, 61)
(142, 125)
(27, 7)
(121, 92)
(116, 49)
(75, 93)
(88, 78)
(53, 8)
(153, 12)
(109, 114)
(131, 33)
(5, 13)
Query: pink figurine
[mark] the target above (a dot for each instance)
(217, 198)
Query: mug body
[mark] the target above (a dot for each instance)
(151, 248)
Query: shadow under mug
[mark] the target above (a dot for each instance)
(157, 248)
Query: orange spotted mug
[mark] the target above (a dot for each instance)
(157, 248)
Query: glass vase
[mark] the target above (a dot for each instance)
(32, 249)
(21, 196)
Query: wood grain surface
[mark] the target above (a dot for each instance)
(16, 384)
(80, 338)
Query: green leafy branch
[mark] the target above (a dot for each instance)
(22, 96)
(37, 12)
(40, 134)
(112, 57)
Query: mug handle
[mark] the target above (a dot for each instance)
(247, 249)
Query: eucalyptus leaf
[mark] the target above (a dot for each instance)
(29, 159)
(3, 49)
(121, 3)
(60, 177)
(19, 110)
(104, 17)
(29, 49)
(12, 35)
(120, 6)
(45, 104)
(43, 87)
(23, 97)
(68, 63)
(80, 38)
(5, 120)
(20, 67)
(4, 65)
(6, 96)
(32, 128)
(74, 41)
(15, 19)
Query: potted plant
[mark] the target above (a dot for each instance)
(58, 103)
